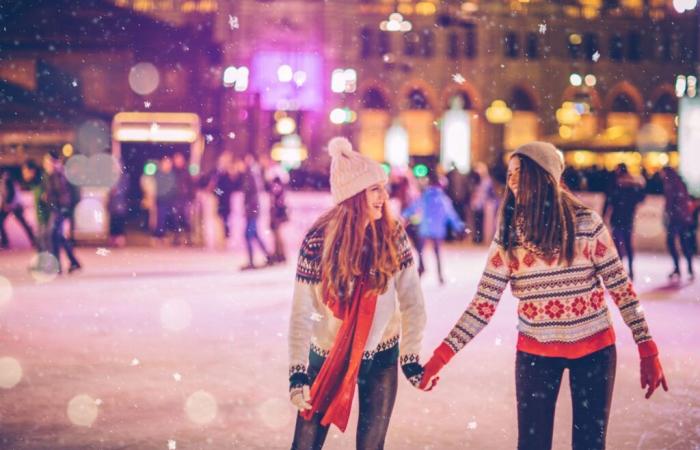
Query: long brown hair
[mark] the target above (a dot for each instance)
(355, 245)
(548, 213)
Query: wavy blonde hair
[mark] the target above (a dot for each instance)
(355, 245)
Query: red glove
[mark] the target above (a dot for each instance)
(652, 374)
(441, 356)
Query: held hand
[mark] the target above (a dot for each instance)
(652, 375)
(300, 397)
(441, 356)
(430, 374)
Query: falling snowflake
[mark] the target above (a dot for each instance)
(232, 135)
(209, 138)
(316, 317)
(74, 83)
(172, 445)
(98, 401)
(542, 28)
(219, 192)
(472, 425)
(177, 376)
(101, 251)
(232, 22)
(146, 104)
(458, 78)
(210, 119)
(596, 56)
(154, 127)
(498, 341)
(135, 362)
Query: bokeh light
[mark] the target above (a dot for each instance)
(144, 78)
(44, 267)
(5, 291)
(10, 372)
(77, 170)
(90, 215)
(82, 410)
(201, 407)
(103, 170)
(420, 170)
(150, 168)
(274, 413)
(175, 315)
(93, 137)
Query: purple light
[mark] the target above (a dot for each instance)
(276, 94)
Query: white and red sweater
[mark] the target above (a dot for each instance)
(562, 310)
(399, 314)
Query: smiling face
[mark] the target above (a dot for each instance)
(376, 197)
(513, 178)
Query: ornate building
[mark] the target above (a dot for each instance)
(596, 77)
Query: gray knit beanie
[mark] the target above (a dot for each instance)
(545, 155)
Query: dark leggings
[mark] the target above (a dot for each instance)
(436, 248)
(537, 381)
(377, 394)
(686, 237)
(622, 236)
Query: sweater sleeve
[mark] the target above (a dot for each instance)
(308, 276)
(610, 269)
(411, 305)
(494, 280)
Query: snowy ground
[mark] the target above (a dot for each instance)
(141, 330)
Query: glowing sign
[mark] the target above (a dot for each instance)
(287, 81)
(689, 142)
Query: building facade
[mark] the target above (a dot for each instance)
(598, 78)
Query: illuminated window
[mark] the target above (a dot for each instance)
(471, 40)
(511, 46)
(365, 42)
(634, 46)
(453, 45)
(532, 46)
(427, 41)
(617, 47)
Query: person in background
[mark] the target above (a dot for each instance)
(678, 218)
(252, 185)
(118, 206)
(481, 188)
(625, 193)
(10, 203)
(57, 195)
(33, 179)
(406, 191)
(437, 213)
(278, 216)
(223, 182)
(166, 199)
(185, 191)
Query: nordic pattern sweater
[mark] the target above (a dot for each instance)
(562, 311)
(399, 314)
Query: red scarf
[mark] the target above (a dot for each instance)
(334, 387)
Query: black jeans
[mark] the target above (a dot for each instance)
(686, 236)
(537, 381)
(622, 236)
(58, 240)
(377, 384)
(18, 212)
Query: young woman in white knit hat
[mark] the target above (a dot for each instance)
(357, 309)
(555, 252)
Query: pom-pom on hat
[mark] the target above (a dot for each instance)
(351, 172)
(545, 155)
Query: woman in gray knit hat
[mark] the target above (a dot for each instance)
(555, 252)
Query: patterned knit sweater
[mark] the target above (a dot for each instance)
(561, 310)
(399, 313)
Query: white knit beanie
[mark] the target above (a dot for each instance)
(351, 172)
(545, 155)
